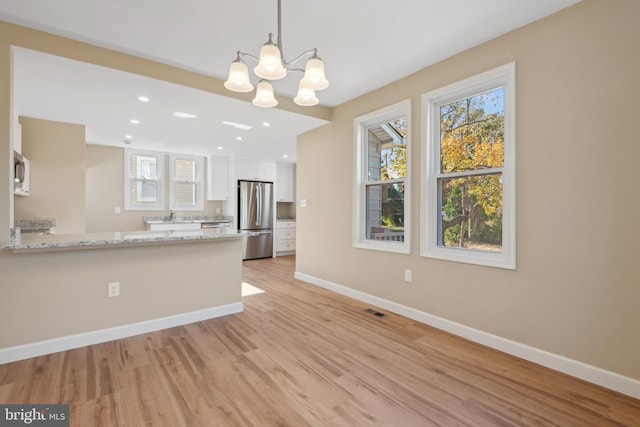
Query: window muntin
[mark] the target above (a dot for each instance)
(381, 219)
(468, 213)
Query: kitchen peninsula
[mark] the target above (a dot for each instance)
(29, 243)
(55, 287)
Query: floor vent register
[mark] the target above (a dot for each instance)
(374, 312)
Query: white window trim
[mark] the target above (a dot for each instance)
(128, 202)
(431, 102)
(361, 124)
(199, 165)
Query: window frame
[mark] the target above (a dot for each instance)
(503, 76)
(129, 203)
(359, 227)
(199, 182)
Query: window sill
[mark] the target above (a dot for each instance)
(470, 256)
(384, 246)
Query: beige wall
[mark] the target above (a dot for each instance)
(57, 179)
(105, 192)
(49, 295)
(576, 289)
(6, 144)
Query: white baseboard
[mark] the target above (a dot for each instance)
(26, 351)
(592, 374)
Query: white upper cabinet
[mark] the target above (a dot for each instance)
(16, 135)
(217, 178)
(256, 170)
(284, 182)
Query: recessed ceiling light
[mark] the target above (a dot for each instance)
(220, 148)
(238, 138)
(266, 124)
(184, 115)
(143, 99)
(285, 156)
(237, 125)
(135, 122)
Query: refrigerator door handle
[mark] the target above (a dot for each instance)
(259, 204)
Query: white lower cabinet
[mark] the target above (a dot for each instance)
(285, 237)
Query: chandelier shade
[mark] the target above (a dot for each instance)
(272, 66)
(306, 96)
(314, 74)
(238, 80)
(270, 62)
(264, 95)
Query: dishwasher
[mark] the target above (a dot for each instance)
(215, 224)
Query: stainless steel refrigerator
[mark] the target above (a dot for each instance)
(255, 208)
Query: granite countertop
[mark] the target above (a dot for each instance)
(183, 219)
(33, 243)
(42, 225)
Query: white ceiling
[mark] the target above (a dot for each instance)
(365, 44)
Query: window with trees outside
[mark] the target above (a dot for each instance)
(381, 220)
(143, 182)
(469, 141)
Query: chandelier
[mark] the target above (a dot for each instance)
(272, 66)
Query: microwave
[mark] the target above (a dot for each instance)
(20, 174)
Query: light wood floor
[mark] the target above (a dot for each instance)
(303, 356)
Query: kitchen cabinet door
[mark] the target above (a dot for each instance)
(285, 237)
(284, 182)
(256, 170)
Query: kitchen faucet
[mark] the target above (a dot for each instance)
(172, 215)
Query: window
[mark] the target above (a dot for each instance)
(469, 141)
(187, 186)
(381, 220)
(143, 180)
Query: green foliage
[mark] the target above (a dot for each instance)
(387, 221)
(471, 140)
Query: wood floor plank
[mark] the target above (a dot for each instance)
(300, 356)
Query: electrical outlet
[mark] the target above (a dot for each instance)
(218, 211)
(113, 289)
(407, 275)
(116, 210)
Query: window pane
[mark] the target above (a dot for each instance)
(185, 170)
(472, 132)
(471, 214)
(185, 194)
(143, 167)
(144, 192)
(387, 150)
(385, 212)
